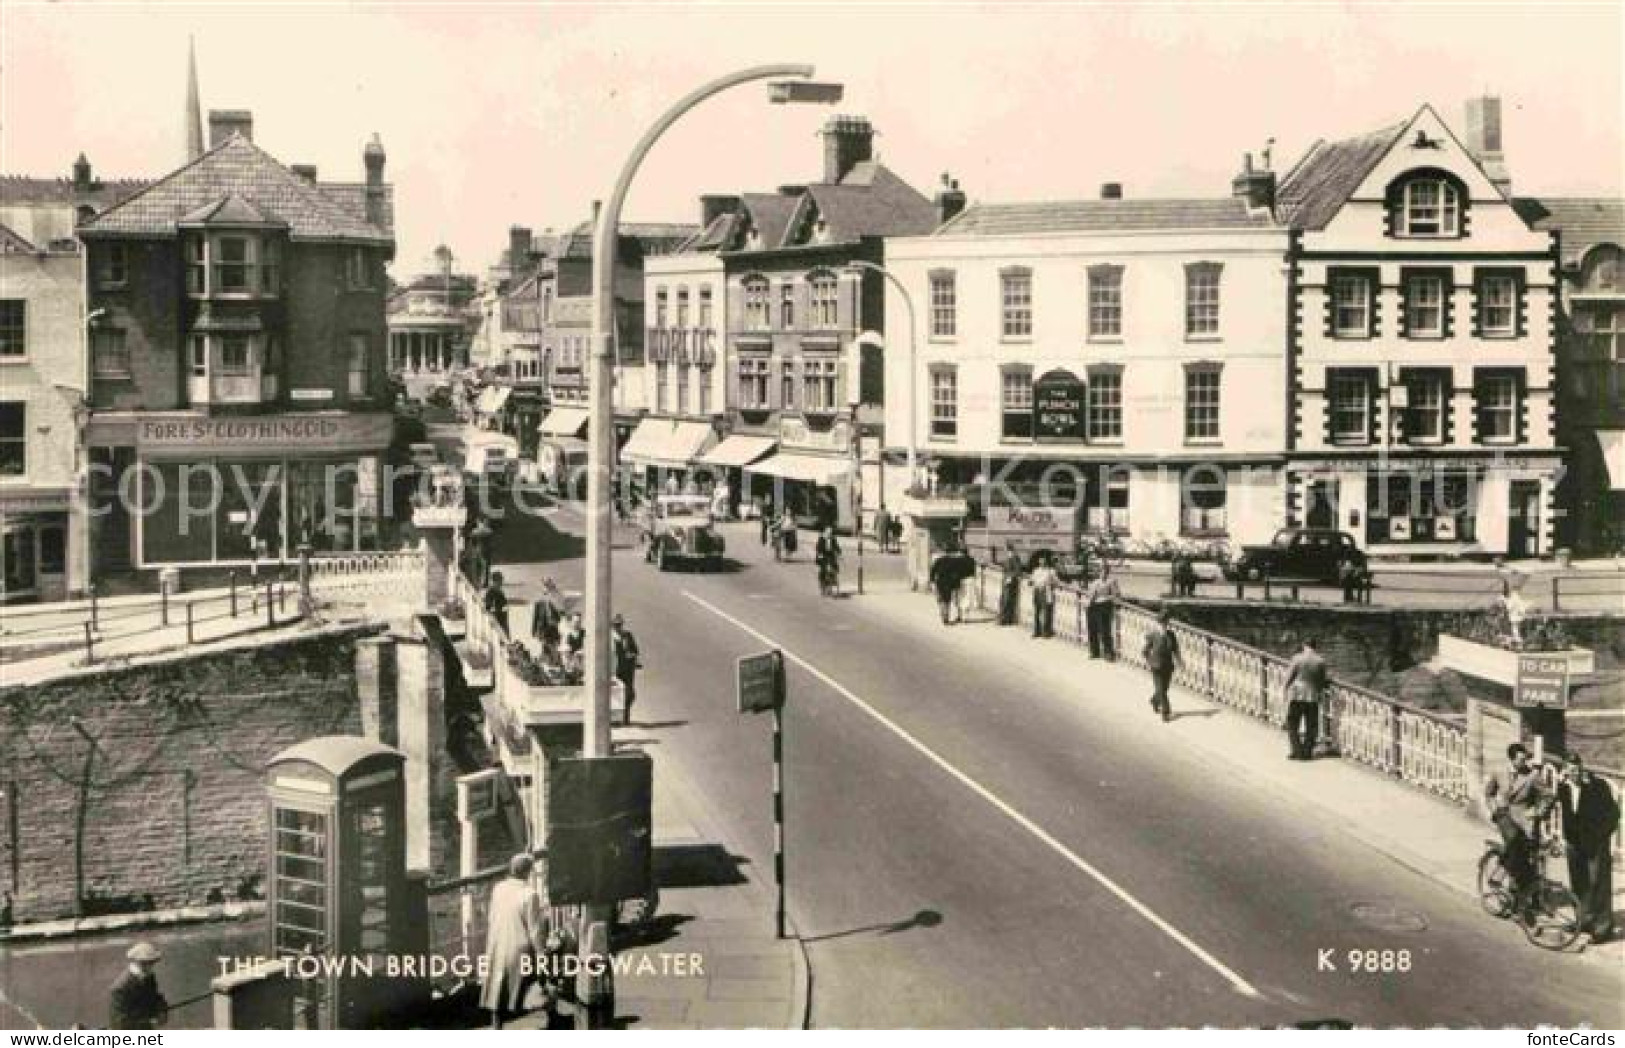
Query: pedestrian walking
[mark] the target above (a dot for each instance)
(1590, 817)
(573, 645)
(764, 518)
(628, 660)
(1010, 587)
(1162, 658)
(516, 933)
(945, 581)
(1100, 615)
(544, 618)
(1044, 581)
(135, 1002)
(1305, 690)
(496, 601)
(965, 570)
(882, 529)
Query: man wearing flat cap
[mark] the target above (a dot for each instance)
(136, 1003)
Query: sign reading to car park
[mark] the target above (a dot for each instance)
(761, 682)
(1543, 683)
(1058, 408)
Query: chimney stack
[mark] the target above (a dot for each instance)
(848, 142)
(714, 206)
(304, 171)
(1111, 190)
(950, 200)
(194, 108)
(518, 247)
(81, 175)
(1484, 140)
(1257, 188)
(372, 158)
(223, 123)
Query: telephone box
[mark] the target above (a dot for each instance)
(339, 896)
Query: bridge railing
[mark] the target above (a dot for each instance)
(1419, 748)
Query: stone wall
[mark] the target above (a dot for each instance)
(174, 802)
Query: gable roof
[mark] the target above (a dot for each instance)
(647, 238)
(238, 167)
(1584, 222)
(1315, 189)
(1088, 216)
(229, 210)
(871, 201)
(770, 215)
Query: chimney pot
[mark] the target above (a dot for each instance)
(1111, 191)
(848, 141)
(81, 174)
(950, 201)
(223, 123)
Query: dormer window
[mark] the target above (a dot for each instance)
(1428, 205)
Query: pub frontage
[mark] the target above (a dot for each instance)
(177, 489)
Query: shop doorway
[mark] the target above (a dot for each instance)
(1523, 524)
(1323, 501)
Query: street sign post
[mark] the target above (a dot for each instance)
(1543, 683)
(761, 687)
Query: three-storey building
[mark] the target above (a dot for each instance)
(238, 388)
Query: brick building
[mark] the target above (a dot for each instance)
(44, 555)
(1590, 368)
(237, 364)
(1421, 350)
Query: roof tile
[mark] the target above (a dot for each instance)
(1584, 222)
(1087, 216)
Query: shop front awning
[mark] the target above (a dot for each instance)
(564, 422)
(739, 450)
(492, 398)
(813, 469)
(1613, 456)
(667, 442)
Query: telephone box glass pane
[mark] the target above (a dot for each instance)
(373, 857)
(301, 881)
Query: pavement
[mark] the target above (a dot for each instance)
(989, 831)
(711, 960)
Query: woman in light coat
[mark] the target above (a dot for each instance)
(516, 934)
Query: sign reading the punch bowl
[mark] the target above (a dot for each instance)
(262, 434)
(1058, 408)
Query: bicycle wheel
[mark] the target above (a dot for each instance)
(1494, 885)
(1554, 919)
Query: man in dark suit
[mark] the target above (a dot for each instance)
(1590, 817)
(135, 1002)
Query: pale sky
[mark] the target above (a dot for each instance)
(500, 114)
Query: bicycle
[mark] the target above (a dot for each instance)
(829, 579)
(1550, 918)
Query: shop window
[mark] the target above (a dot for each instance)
(1201, 404)
(1016, 303)
(1016, 401)
(53, 550)
(13, 328)
(944, 305)
(109, 352)
(944, 402)
(1421, 507)
(17, 553)
(1105, 302)
(1202, 299)
(13, 439)
(1204, 492)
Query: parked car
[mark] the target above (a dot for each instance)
(679, 528)
(490, 457)
(1300, 553)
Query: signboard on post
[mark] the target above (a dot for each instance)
(1058, 408)
(1543, 683)
(599, 834)
(761, 682)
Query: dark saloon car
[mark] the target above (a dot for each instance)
(1300, 553)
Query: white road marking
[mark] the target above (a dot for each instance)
(1241, 985)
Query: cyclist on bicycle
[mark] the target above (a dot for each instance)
(827, 554)
(1518, 801)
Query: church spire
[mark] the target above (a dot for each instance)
(194, 111)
